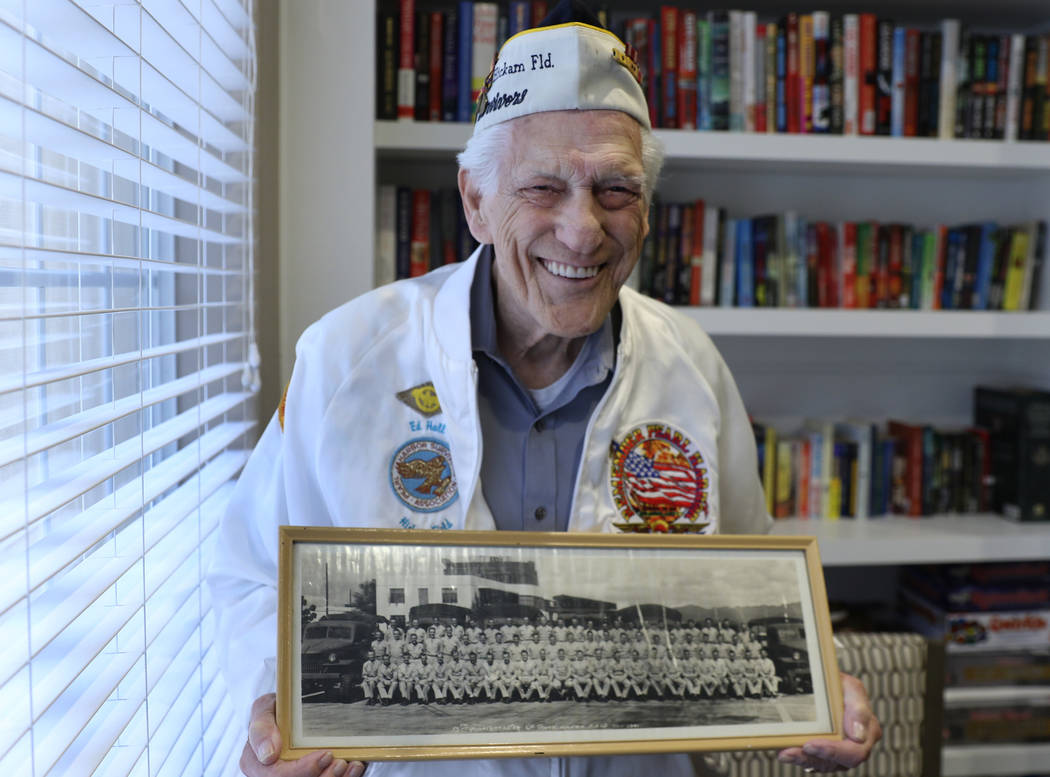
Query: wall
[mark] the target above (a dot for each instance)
(326, 185)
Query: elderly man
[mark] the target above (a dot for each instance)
(523, 389)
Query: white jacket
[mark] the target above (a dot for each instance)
(345, 428)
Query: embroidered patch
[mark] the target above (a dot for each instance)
(658, 481)
(422, 398)
(421, 475)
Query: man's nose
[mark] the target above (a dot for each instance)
(580, 225)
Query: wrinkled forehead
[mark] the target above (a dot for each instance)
(566, 144)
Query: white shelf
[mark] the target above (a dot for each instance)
(944, 539)
(770, 152)
(781, 322)
(994, 760)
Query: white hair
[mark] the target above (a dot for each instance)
(482, 155)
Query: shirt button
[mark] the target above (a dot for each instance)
(538, 426)
(541, 513)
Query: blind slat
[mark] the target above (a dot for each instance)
(77, 369)
(52, 494)
(81, 423)
(64, 545)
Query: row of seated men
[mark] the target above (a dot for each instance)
(443, 640)
(701, 674)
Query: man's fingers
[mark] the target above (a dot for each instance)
(263, 735)
(312, 765)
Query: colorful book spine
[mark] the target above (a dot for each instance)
(869, 74)
(687, 70)
(745, 268)
(912, 44)
(483, 48)
(464, 96)
(720, 69)
(519, 14)
(669, 66)
(837, 79)
(406, 68)
(419, 258)
(771, 39)
(436, 65)
(851, 74)
(821, 91)
(450, 67)
(884, 95)
(727, 272)
(703, 74)
(386, 65)
(748, 76)
(806, 67)
(793, 90)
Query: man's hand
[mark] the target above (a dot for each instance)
(261, 751)
(862, 732)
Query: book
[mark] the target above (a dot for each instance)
(869, 74)
(792, 84)
(436, 66)
(748, 76)
(519, 14)
(386, 235)
(837, 78)
(745, 268)
(483, 48)
(403, 256)
(703, 74)
(884, 81)
(948, 79)
(669, 46)
(450, 67)
(465, 67)
(1013, 88)
(406, 68)
(769, 116)
(821, 89)
(422, 67)
(720, 69)
(727, 271)
(1018, 423)
(687, 70)
(806, 68)
(419, 245)
(736, 71)
(758, 112)
(386, 64)
(898, 81)
(912, 53)
(709, 272)
(696, 252)
(910, 453)
(851, 74)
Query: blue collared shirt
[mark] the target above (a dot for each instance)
(532, 441)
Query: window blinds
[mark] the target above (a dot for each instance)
(127, 376)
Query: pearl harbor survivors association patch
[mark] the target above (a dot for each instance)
(659, 481)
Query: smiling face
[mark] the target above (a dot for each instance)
(567, 220)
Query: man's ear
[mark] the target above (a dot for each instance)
(471, 197)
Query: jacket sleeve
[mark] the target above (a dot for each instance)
(277, 486)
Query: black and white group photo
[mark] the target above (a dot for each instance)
(458, 642)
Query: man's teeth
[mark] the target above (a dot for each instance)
(570, 271)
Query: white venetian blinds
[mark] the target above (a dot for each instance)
(126, 375)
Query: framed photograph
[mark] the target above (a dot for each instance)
(420, 645)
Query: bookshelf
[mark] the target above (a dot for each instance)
(834, 363)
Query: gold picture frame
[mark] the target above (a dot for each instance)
(345, 592)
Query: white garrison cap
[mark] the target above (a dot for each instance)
(562, 67)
